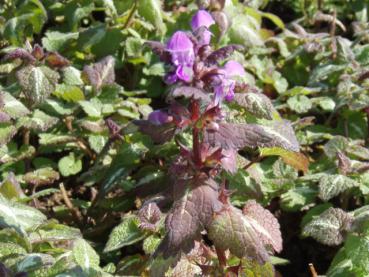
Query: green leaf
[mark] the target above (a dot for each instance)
(133, 46)
(244, 30)
(7, 132)
(84, 255)
(151, 10)
(275, 19)
(42, 176)
(9, 248)
(9, 155)
(37, 82)
(356, 249)
(19, 216)
(69, 93)
(254, 269)
(295, 159)
(38, 121)
(34, 261)
(333, 184)
(53, 231)
(150, 244)
(257, 104)
(126, 233)
(299, 103)
(330, 227)
(10, 187)
(13, 107)
(72, 76)
(57, 41)
(298, 198)
(50, 139)
(92, 108)
(69, 165)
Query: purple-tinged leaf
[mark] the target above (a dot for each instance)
(222, 54)
(100, 73)
(238, 136)
(229, 160)
(230, 229)
(256, 104)
(159, 134)
(189, 92)
(20, 54)
(264, 224)
(149, 215)
(56, 60)
(330, 227)
(344, 163)
(159, 49)
(37, 82)
(38, 52)
(190, 215)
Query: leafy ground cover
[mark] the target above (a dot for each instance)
(184, 138)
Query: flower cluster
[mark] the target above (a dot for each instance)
(192, 62)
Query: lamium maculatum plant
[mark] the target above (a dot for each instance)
(206, 88)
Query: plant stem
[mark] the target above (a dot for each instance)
(221, 258)
(76, 213)
(130, 16)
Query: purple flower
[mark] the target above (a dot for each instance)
(182, 54)
(202, 19)
(159, 117)
(225, 90)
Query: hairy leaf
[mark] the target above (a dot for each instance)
(187, 218)
(126, 233)
(264, 224)
(149, 215)
(20, 54)
(38, 121)
(222, 54)
(13, 107)
(69, 165)
(7, 132)
(238, 136)
(37, 82)
(159, 49)
(257, 104)
(101, 73)
(330, 227)
(230, 229)
(42, 176)
(84, 255)
(19, 216)
(158, 133)
(330, 185)
(151, 10)
(53, 231)
(189, 92)
(10, 187)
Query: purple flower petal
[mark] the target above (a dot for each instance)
(159, 117)
(233, 69)
(201, 18)
(184, 73)
(181, 49)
